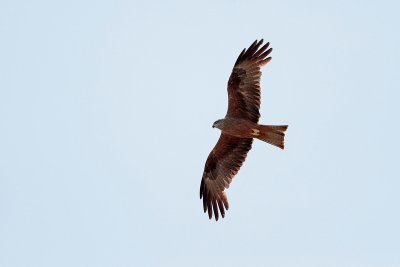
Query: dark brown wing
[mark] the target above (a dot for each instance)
(244, 82)
(222, 164)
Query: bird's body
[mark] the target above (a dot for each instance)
(247, 129)
(238, 129)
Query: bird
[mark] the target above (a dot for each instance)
(238, 129)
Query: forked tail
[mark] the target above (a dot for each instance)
(273, 134)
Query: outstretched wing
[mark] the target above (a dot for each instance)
(244, 82)
(222, 164)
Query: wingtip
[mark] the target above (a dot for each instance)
(210, 213)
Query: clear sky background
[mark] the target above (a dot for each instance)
(106, 110)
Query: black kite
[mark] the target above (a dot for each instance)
(238, 129)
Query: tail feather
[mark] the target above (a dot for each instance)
(273, 134)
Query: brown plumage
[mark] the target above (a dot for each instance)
(238, 129)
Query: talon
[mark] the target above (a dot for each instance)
(255, 132)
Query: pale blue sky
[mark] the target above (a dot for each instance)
(106, 110)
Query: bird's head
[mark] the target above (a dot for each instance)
(218, 124)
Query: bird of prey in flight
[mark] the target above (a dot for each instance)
(238, 129)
